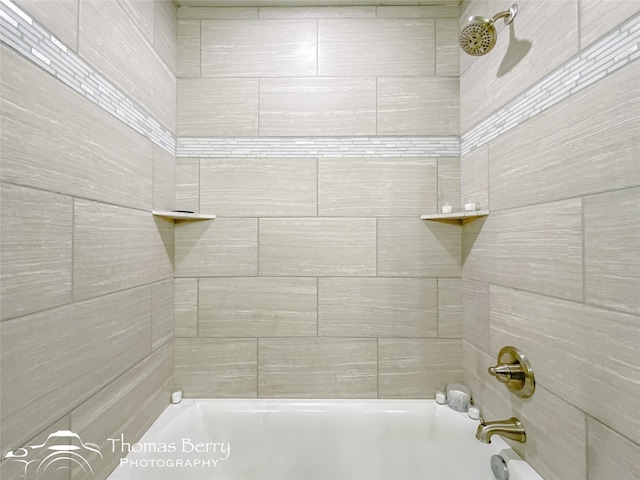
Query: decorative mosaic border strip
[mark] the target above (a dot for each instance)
(20, 32)
(302, 147)
(608, 54)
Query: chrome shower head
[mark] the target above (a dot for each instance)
(479, 35)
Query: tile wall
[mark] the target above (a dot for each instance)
(87, 273)
(554, 268)
(317, 136)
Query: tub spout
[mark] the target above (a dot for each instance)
(511, 429)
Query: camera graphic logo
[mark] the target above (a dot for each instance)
(61, 450)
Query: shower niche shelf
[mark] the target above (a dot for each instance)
(460, 217)
(177, 215)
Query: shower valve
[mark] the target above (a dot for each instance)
(515, 371)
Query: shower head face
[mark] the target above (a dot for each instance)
(478, 36)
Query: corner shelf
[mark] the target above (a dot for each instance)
(456, 216)
(168, 214)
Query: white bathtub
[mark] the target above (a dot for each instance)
(314, 440)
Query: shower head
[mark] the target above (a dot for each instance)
(479, 35)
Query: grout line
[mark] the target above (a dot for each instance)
(73, 245)
(584, 266)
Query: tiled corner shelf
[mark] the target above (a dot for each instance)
(181, 215)
(459, 216)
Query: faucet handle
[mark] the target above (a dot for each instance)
(515, 371)
(505, 372)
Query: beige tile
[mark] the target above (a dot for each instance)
(116, 248)
(36, 249)
(475, 314)
(268, 48)
(54, 139)
(164, 179)
(186, 307)
(416, 368)
(257, 307)
(165, 30)
(612, 250)
(162, 307)
(448, 183)
(67, 354)
(556, 434)
(210, 107)
(418, 106)
(318, 106)
(426, 11)
(11, 469)
(586, 355)
(377, 307)
(259, 187)
(537, 248)
(449, 308)
(223, 247)
(418, 248)
(187, 184)
(111, 43)
(318, 246)
(610, 455)
(592, 138)
(124, 409)
(188, 48)
(141, 14)
(216, 367)
(317, 368)
(217, 13)
(598, 18)
(318, 12)
(376, 187)
(517, 63)
(447, 48)
(376, 47)
(60, 17)
(474, 181)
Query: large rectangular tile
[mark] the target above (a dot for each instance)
(418, 106)
(124, 409)
(111, 43)
(257, 307)
(376, 47)
(162, 308)
(141, 14)
(474, 181)
(165, 29)
(212, 107)
(216, 367)
(378, 307)
(54, 139)
(545, 241)
(188, 49)
(265, 48)
(164, 179)
(447, 48)
(592, 138)
(500, 76)
(187, 184)
(376, 187)
(425, 11)
(417, 248)
(449, 308)
(448, 184)
(612, 250)
(60, 17)
(556, 430)
(318, 246)
(259, 187)
(416, 368)
(586, 355)
(64, 355)
(318, 12)
(203, 13)
(598, 18)
(317, 368)
(475, 314)
(186, 307)
(223, 247)
(609, 454)
(36, 249)
(318, 106)
(116, 248)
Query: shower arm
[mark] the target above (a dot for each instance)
(508, 15)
